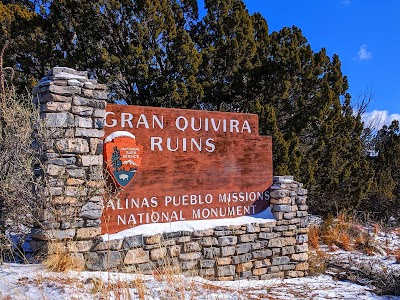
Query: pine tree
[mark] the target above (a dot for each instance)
(225, 37)
(141, 49)
(384, 198)
(22, 29)
(316, 138)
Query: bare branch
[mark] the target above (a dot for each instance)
(363, 101)
(3, 71)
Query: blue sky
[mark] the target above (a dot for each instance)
(364, 33)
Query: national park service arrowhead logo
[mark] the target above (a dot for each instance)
(122, 156)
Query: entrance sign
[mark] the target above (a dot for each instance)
(176, 165)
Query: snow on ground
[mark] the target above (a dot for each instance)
(33, 282)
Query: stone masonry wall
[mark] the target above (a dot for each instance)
(274, 249)
(73, 109)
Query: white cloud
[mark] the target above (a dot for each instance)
(363, 53)
(377, 118)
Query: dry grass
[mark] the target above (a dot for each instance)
(17, 118)
(346, 232)
(119, 289)
(314, 235)
(61, 261)
(335, 231)
(4, 297)
(168, 271)
(6, 248)
(20, 174)
(40, 279)
(140, 287)
(318, 262)
(397, 256)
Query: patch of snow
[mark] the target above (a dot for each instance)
(74, 82)
(44, 82)
(43, 79)
(192, 225)
(116, 134)
(355, 259)
(316, 287)
(285, 180)
(64, 75)
(314, 219)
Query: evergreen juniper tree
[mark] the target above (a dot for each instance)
(384, 197)
(225, 39)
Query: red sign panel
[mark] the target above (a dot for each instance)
(178, 165)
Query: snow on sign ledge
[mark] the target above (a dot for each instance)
(190, 226)
(117, 134)
(176, 165)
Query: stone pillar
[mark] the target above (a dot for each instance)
(72, 108)
(288, 205)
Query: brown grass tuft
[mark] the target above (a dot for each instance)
(140, 287)
(344, 241)
(397, 256)
(376, 228)
(318, 262)
(60, 261)
(345, 232)
(314, 235)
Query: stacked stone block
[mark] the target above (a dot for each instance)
(72, 108)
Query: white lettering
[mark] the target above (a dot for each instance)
(208, 198)
(234, 124)
(121, 219)
(119, 206)
(184, 144)
(213, 124)
(241, 197)
(126, 118)
(169, 145)
(185, 123)
(218, 212)
(110, 204)
(142, 121)
(155, 141)
(159, 122)
(194, 142)
(132, 219)
(114, 122)
(246, 126)
(155, 216)
(193, 124)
